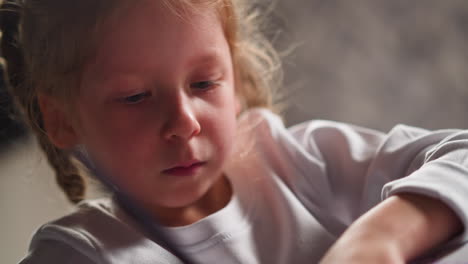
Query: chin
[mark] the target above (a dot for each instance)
(184, 199)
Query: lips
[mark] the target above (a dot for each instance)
(185, 168)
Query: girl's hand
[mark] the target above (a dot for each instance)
(396, 231)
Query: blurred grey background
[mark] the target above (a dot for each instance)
(374, 63)
(377, 63)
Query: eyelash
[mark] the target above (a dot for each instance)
(136, 98)
(207, 85)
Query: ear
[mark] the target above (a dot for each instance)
(58, 127)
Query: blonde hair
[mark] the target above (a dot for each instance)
(45, 44)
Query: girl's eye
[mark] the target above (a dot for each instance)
(204, 85)
(135, 99)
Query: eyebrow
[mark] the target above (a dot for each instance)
(206, 58)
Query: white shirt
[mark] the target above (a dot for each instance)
(295, 191)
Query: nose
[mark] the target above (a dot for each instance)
(182, 122)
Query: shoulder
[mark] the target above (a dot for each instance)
(80, 230)
(101, 232)
(318, 136)
(262, 117)
(55, 252)
(308, 136)
(88, 216)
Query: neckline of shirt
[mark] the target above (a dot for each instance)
(223, 224)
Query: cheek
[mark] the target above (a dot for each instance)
(224, 132)
(117, 144)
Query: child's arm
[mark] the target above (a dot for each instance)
(397, 230)
(349, 170)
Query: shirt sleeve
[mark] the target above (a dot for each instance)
(354, 168)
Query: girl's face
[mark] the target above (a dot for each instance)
(157, 108)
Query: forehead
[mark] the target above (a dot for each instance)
(149, 37)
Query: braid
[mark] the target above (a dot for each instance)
(66, 173)
(25, 94)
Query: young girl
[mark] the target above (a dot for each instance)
(167, 103)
